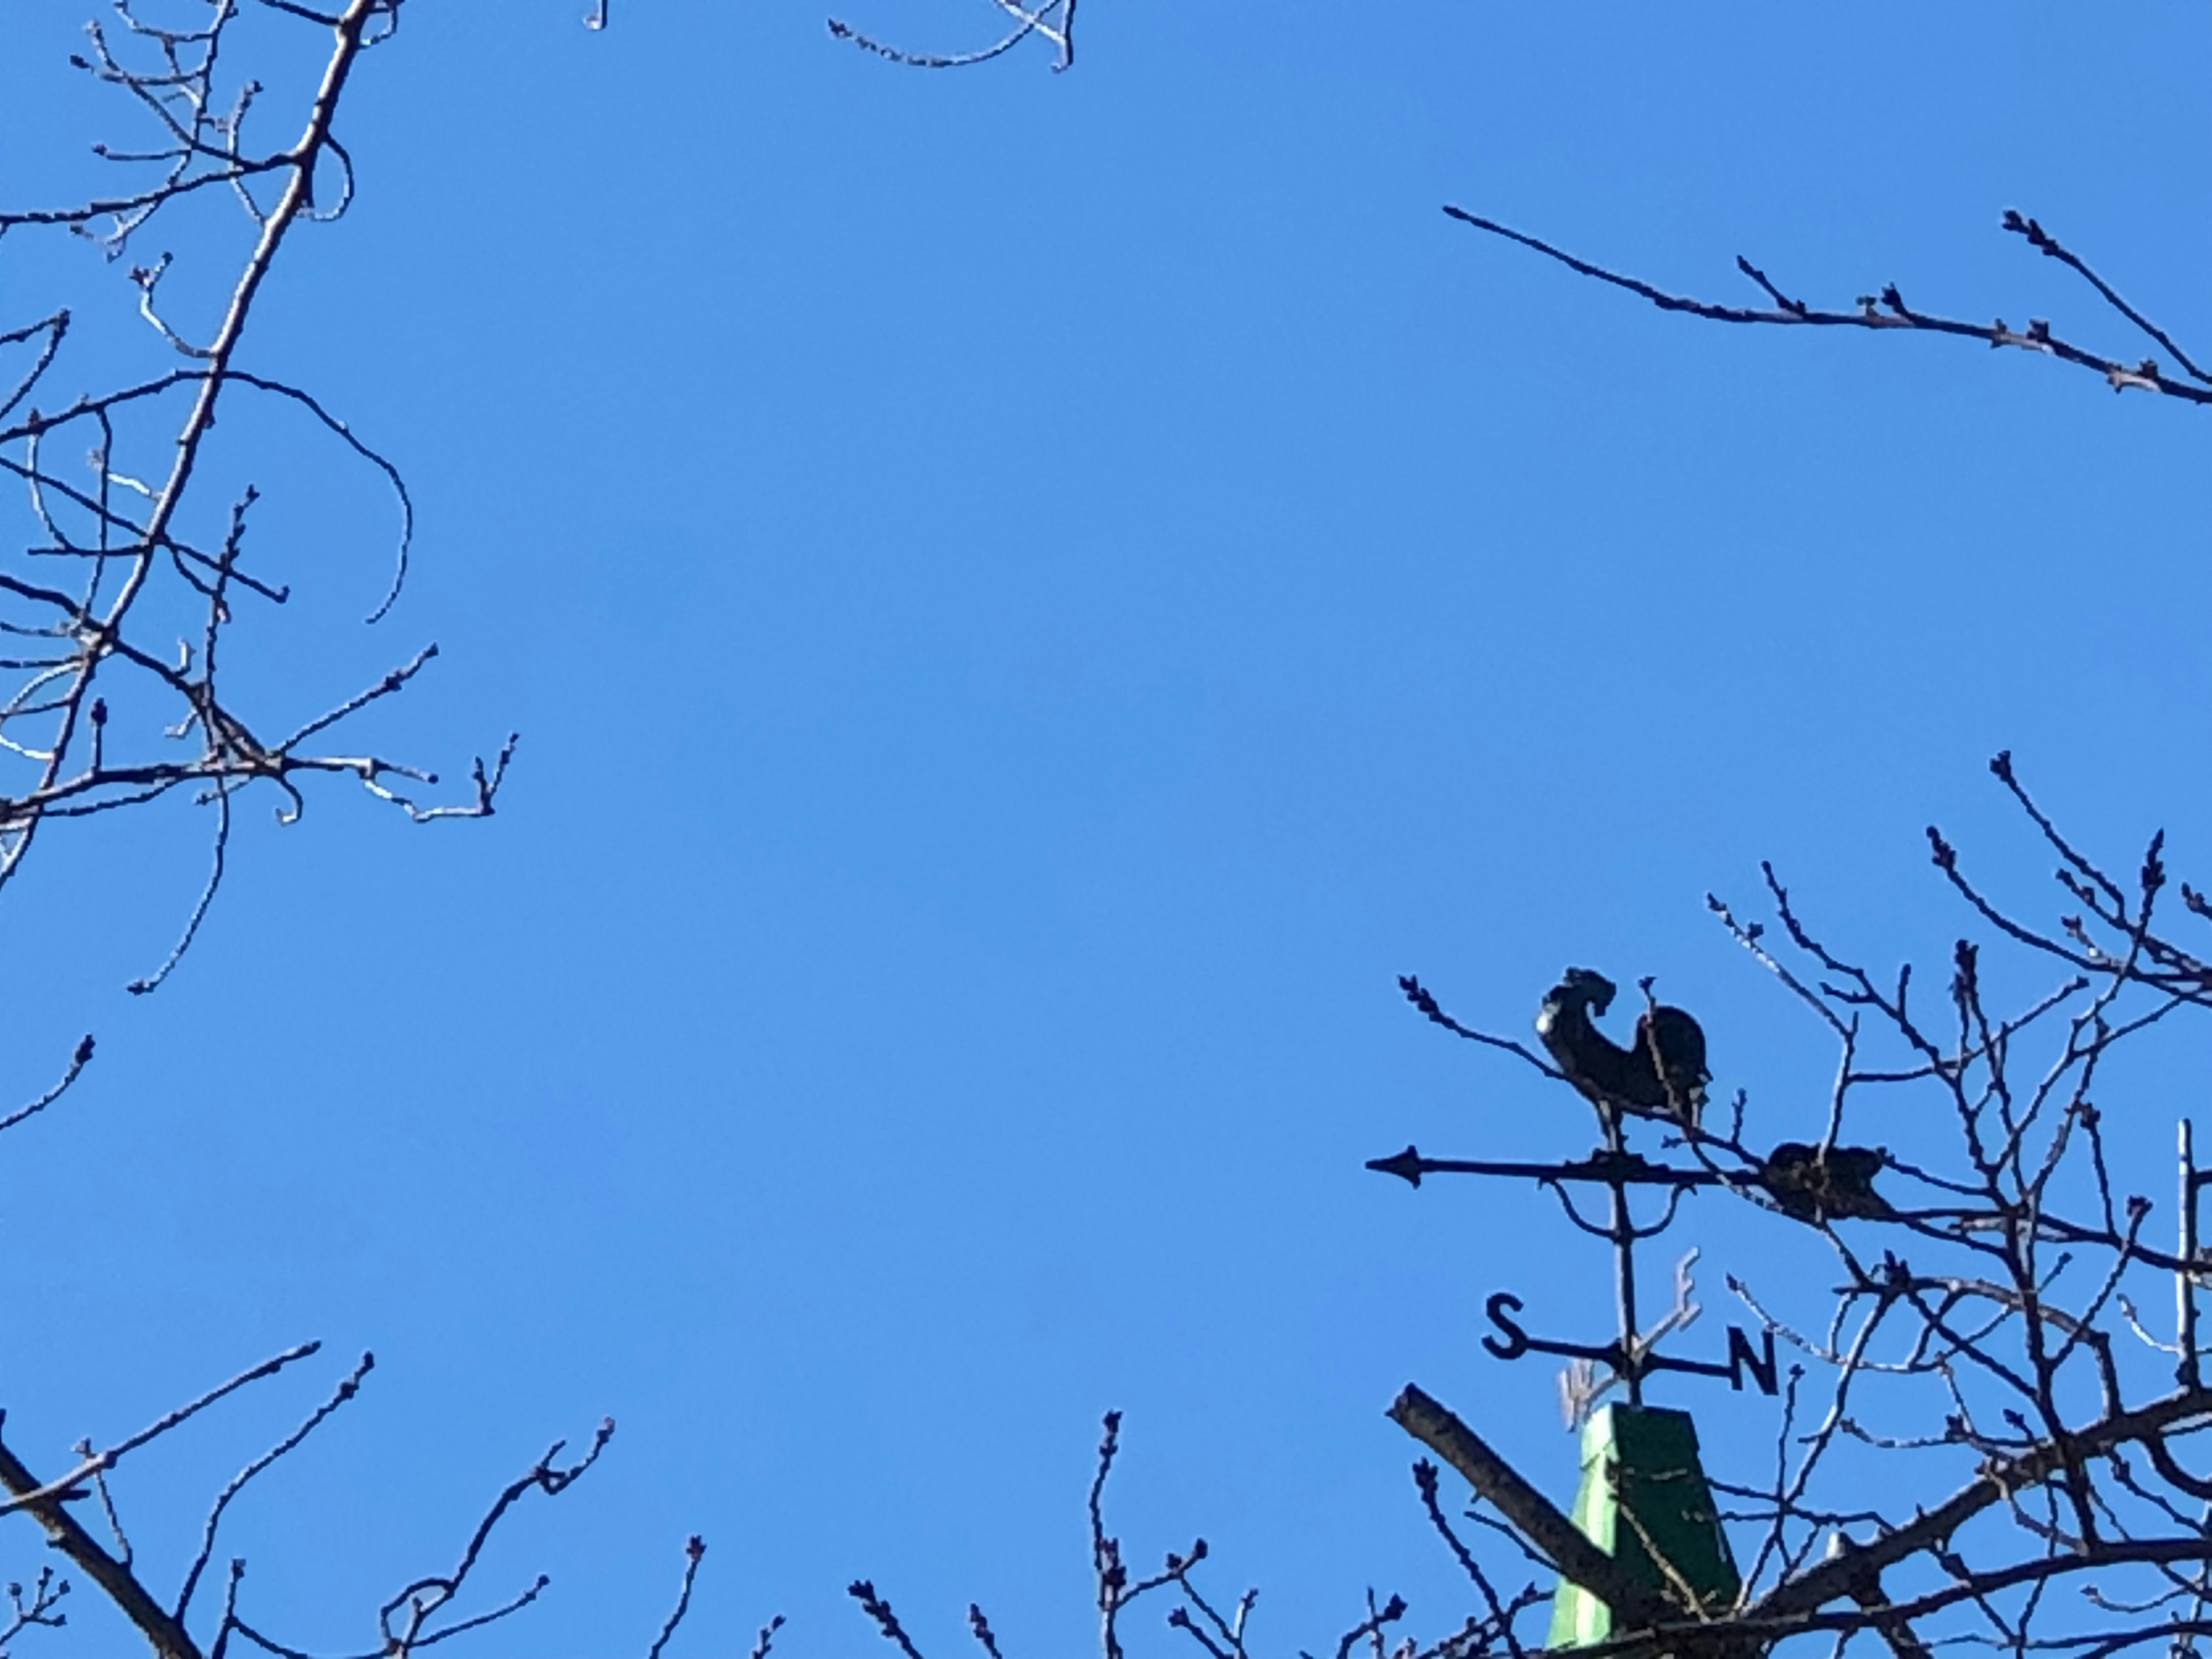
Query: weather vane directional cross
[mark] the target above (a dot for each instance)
(1662, 1075)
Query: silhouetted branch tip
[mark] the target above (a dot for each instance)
(1886, 310)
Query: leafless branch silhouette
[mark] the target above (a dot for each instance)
(1885, 310)
(98, 715)
(1052, 22)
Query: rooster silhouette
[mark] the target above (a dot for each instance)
(1661, 1074)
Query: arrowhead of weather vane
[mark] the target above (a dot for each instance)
(1405, 1165)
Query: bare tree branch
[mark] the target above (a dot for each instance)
(1886, 311)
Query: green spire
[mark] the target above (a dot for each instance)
(1644, 1501)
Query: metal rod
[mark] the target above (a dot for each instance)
(2185, 1282)
(1624, 1253)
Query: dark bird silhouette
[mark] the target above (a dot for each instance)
(1661, 1074)
(1811, 1189)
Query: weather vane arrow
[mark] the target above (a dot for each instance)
(1628, 1169)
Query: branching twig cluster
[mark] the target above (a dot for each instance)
(1222, 1631)
(407, 1621)
(98, 712)
(1886, 310)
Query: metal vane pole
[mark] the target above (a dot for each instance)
(1624, 1255)
(2185, 1282)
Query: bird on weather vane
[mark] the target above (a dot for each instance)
(1807, 1184)
(1662, 1074)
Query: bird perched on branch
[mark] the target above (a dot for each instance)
(1809, 1187)
(1661, 1074)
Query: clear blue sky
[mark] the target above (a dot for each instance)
(1028, 599)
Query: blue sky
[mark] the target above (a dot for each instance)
(1028, 600)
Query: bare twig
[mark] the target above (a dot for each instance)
(695, 1551)
(863, 1591)
(1886, 311)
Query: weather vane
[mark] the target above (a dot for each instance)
(1659, 1075)
(1643, 1498)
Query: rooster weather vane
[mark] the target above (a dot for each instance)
(1662, 1075)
